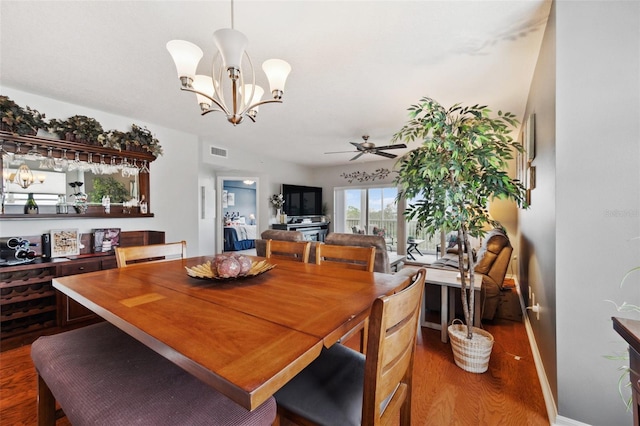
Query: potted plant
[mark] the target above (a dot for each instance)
(18, 120)
(460, 165)
(78, 128)
(114, 139)
(141, 139)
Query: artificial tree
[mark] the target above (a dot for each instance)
(460, 165)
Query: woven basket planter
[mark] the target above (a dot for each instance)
(473, 354)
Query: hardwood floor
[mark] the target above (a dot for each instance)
(509, 393)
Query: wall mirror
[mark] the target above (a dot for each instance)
(75, 172)
(53, 178)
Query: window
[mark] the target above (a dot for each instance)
(368, 211)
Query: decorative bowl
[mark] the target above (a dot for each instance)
(205, 271)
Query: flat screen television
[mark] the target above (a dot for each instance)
(302, 200)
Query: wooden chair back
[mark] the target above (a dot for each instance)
(393, 326)
(342, 387)
(352, 257)
(125, 256)
(288, 250)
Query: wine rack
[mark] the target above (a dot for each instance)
(27, 299)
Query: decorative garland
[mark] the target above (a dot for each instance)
(365, 177)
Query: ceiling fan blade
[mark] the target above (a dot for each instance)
(338, 152)
(357, 156)
(385, 154)
(397, 146)
(357, 145)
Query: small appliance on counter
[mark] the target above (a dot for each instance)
(15, 251)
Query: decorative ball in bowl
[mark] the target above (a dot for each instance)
(229, 267)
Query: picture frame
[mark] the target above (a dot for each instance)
(105, 240)
(65, 242)
(231, 199)
(532, 176)
(530, 137)
(224, 199)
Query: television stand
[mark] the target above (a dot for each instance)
(311, 231)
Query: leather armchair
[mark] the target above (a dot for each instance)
(493, 262)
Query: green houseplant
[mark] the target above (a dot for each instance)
(108, 186)
(19, 120)
(460, 165)
(78, 128)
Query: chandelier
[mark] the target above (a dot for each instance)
(23, 177)
(237, 96)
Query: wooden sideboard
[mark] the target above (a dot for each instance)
(630, 332)
(31, 307)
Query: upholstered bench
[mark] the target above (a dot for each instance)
(102, 376)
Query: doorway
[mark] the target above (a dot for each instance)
(236, 212)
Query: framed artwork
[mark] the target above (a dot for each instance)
(231, 199)
(65, 242)
(530, 137)
(105, 240)
(532, 176)
(224, 199)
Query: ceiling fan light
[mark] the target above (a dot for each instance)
(231, 44)
(277, 72)
(186, 56)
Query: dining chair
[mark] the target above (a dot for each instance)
(125, 256)
(351, 257)
(343, 387)
(288, 250)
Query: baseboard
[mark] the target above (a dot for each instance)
(552, 410)
(564, 421)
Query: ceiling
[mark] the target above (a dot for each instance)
(356, 65)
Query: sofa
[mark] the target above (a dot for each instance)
(382, 257)
(493, 261)
(381, 263)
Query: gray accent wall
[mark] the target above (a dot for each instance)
(577, 238)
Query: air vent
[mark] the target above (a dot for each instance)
(218, 152)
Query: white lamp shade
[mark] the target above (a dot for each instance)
(204, 84)
(231, 44)
(257, 94)
(186, 55)
(277, 72)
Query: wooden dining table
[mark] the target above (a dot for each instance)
(244, 337)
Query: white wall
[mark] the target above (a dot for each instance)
(589, 193)
(174, 187)
(270, 172)
(598, 173)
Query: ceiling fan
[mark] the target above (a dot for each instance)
(367, 147)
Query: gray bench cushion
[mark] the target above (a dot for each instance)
(102, 376)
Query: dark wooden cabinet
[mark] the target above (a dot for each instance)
(31, 307)
(28, 301)
(69, 311)
(630, 332)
